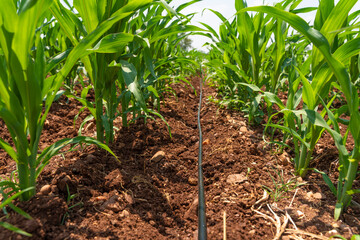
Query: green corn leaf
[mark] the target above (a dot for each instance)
(251, 86)
(162, 118)
(338, 210)
(113, 43)
(308, 92)
(65, 19)
(327, 181)
(88, 12)
(211, 30)
(274, 99)
(353, 191)
(291, 131)
(164, 33)
(129, 74)
(304, 10)
(6, 146)
(87, 119)
(54, 61)
(169, 9)
(54, 149)
(19, 211)
(14, 229)
(15, 196)
(184, 5)
(318, 120)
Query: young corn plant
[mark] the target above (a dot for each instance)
(248, 60)
(26, 95)
(121, 67)
(327, 68)
(101, 65)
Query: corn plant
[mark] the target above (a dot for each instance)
(327, 67)
(121, 67)
(26, 96)
(243, 55)
(241, 47)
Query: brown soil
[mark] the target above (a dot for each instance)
(140, 198)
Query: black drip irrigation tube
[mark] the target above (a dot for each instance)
(202, 231)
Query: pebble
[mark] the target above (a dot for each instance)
(100, 199)
(335, 225)
(206, 142)
(300, 214)
(192, 181)
(252, 232)
(243, 130)
(309, 195)
(319, 196)
(332, 233)
(45, 190)
(158, 157)
(124, 213)
(236, 178)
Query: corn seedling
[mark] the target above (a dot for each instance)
(121, 66)
(325, 66)
(24, 86)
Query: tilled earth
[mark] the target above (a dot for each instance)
(151, 193)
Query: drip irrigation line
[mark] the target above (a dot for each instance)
(202, 231)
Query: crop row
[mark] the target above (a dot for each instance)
(255, 56)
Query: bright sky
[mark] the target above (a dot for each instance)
(227, 8)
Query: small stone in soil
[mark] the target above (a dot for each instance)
(243, 130)
(206, 142)
(319, 196)
(158, 156)
(100, 199)
(124, 213)
(45, 190)
(236, 178)
(332, 233)
(192, 181)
